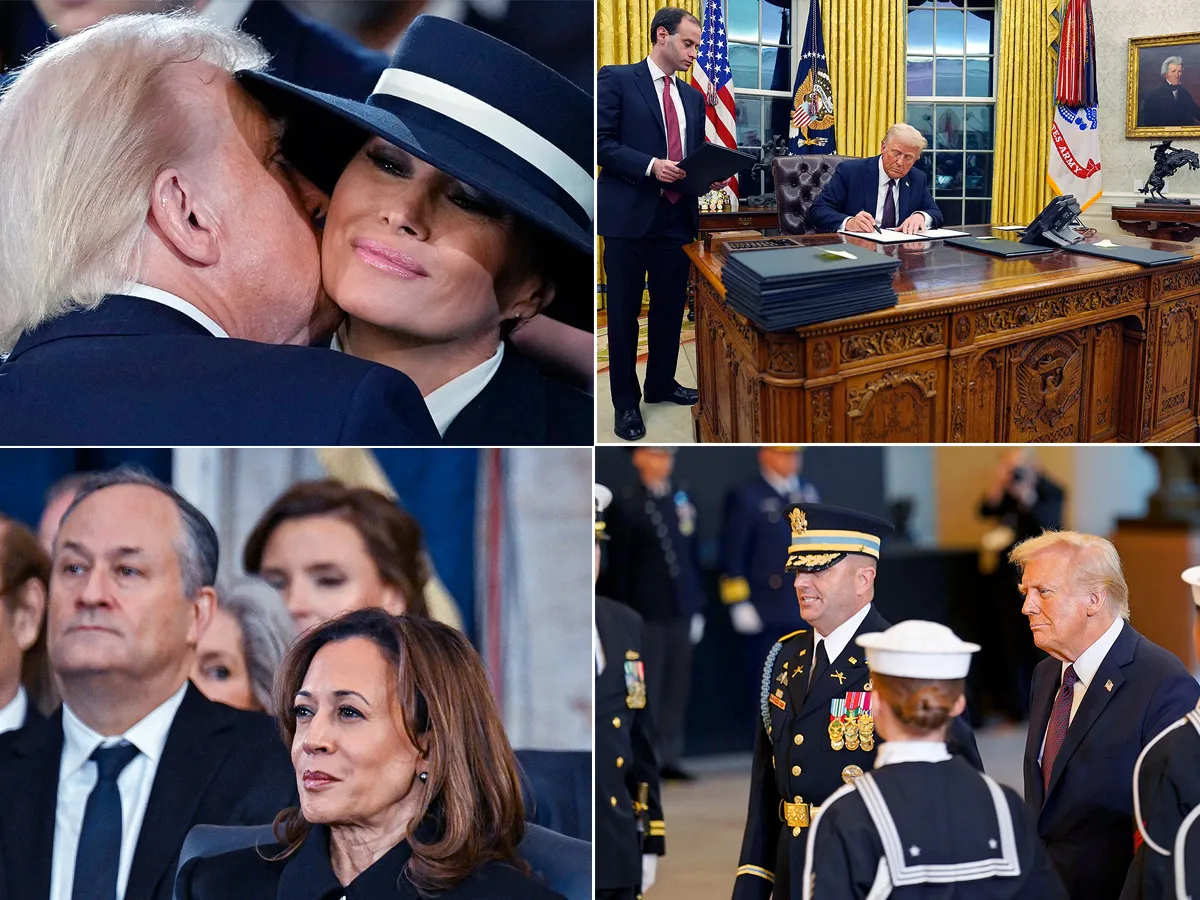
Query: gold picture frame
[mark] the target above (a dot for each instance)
(1143, 117)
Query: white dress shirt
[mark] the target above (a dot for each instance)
(659, 76)
(12, 716)
(77, 777)
(836, 640)
(1085, 670)
(166, 298)
(881, 198)
(599, 651)
(892, 752)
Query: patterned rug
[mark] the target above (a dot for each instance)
(686, 336)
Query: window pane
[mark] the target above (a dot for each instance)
(978, 180)
(920, 4)
(951, 212)
(979, 33)
(949, 135)
(749, 121)
(949, 77)
(775, 20)
(979, 127)
(920, 76)
(979, 78)
(920, 32)
(768, 66)
(741, 20)
(948, 182)
(743, 58)
(949, 33)
(925, 164)
(920, 117)
(979, 212)
(779, 115)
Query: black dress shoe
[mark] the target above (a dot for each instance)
(674, 773)
(629, 425)
(681, 395)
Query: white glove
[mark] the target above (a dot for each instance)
(649, 871)
(696, 634)
(746, 619)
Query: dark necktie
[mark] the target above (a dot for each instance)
(674, 142)
(889, 206)
(1060, 719)
(820, 664)
(99, 852)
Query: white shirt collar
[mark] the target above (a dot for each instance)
(599, 651)
(892, 752)
(226, 12)
(785, 487)
(656, 73)
(166, 298)
(12, 716)
(836, 640)
(884, 177)
(1089, 660)
(452, 397)
(149, 735)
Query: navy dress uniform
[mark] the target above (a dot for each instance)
(629, 816)
(806, 748)
(924, 824)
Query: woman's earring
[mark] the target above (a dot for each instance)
(424, 776)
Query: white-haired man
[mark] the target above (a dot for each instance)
(147, 211)
(884, 190)
(1103, 695)
(1170, 103)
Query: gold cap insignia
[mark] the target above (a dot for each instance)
(799, 521)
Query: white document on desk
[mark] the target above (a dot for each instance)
(891, 236)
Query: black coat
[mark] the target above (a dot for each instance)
(624, 756)
(1167, 106)
(307, 875)
(133, 372)
(1086, 816)
(521, 406)
(795, 758)
(220, 766)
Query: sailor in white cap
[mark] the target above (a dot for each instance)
(1166, 801)
(923, 823)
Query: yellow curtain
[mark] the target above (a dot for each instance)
(865, 43)
(623, 37)
(1024, 109)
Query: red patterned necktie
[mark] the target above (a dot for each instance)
(1060, 718)
(674, 143)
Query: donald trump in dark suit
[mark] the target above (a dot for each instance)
(1103, 695)
(883, 190)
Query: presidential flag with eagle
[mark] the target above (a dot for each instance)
(811, 129)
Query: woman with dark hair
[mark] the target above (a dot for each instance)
(923, 824)
(408, 786)
(26, 686)
(328, 548)
(461, 208)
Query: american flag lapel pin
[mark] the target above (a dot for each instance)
(1108, 685)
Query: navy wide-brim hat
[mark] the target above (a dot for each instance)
(823, 535)
(469, 104)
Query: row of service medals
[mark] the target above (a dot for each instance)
(850, 724)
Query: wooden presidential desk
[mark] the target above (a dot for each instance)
(1059, 347)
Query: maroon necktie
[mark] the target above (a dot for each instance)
(1060, 718)
(889, 207)
(674, 144)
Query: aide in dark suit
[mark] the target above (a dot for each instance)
(883, 190)
(24, 674)
(1169, 103)
(130, 593)
(814, 682)
(643, 222)
(1103, 694)
(395, 730)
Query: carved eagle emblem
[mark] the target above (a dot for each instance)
(1050, 384)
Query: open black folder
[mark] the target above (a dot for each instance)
(709, 163)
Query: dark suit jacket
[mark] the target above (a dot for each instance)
(134, 372)
(855, 187)
(522, 406)
(307, 875)
(629, 133)
(1166, 105)
(1086, 816)
(220, 766)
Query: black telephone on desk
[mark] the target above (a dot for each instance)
(1057, 225)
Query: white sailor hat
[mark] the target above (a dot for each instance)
(917, 649)
(601, 497)
(1192, 577)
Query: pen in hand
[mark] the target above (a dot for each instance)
(878, 230)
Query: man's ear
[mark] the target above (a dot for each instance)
(185, 224)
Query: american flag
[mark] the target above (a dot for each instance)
(712, 77)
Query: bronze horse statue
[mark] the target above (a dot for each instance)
(1167, 162)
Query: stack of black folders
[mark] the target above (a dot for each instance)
(787, 287)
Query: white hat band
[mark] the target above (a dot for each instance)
(904, 664)
(495, 125)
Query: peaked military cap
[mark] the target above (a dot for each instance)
(823, 535)
(601, 497)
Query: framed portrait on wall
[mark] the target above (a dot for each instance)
(1163, 94)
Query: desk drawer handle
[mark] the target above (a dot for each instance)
(745, 220)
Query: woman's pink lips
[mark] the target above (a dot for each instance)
(314, 781)
(388, 260)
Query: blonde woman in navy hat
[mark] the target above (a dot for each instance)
(922, 824)
(461, 208)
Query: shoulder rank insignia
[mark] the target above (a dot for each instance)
(635, 684)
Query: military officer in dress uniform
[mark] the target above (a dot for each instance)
(630, 832)
(1166, 801)
(816, 696)
(761, 601)
(923, 824)
(653, 567)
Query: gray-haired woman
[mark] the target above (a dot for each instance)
(241, 649)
